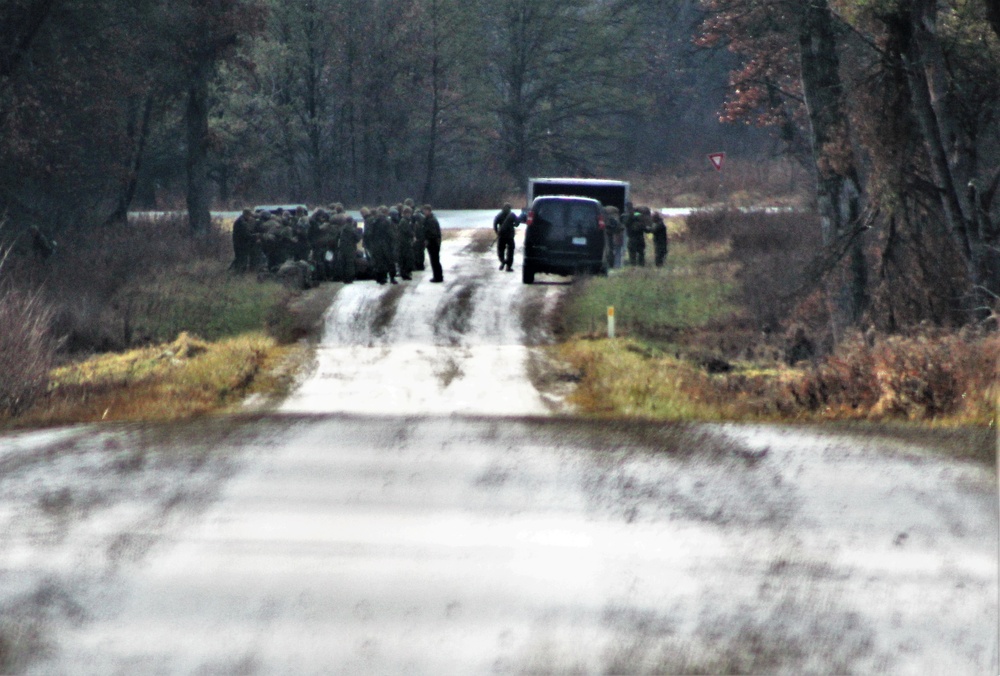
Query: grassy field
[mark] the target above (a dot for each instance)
(201, 297)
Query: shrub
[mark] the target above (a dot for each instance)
(920, 377)
(27, 350)
(772, 252)
(84, 281)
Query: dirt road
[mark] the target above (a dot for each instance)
(418, 507)
(462, 347)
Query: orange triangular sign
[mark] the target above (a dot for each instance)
(717, 160)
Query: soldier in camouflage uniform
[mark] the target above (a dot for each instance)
(660, 243)
(378, 243)
(614, 238)
(322, 245)
(626, 220)
(243, 242)
(419, 241)
(432, 239)
(404, 246)
(331, 232)
(638, 225)
(269, 230)
(300, 234)
(505, 225)
(347, 248)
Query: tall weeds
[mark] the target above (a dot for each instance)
(27, 348)
(91, 281)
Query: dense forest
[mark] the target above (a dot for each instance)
(108, 106)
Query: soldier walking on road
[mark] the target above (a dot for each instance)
(432, 237)
(504, 225)
(660, 243)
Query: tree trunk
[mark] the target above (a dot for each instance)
(25, 24)
(140, 134)
(838, 185)
(199, 216)
(993, 14)
(949, 159)
(428, 192)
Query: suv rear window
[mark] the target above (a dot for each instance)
(566, 218)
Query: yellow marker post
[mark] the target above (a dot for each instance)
(611, 322)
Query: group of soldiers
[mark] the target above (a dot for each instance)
(629, 230)
(396, 241)
(324, 245)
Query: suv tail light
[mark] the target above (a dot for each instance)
(600, 222)
(531, 217)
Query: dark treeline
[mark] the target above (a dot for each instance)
(111, 105)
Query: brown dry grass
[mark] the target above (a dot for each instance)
(182, 379)
(950, 381)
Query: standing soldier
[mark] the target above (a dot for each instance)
(270, 241)
(419, 242)
(614, 238)
(378, 242)
(626, 218)
(243, 242)
(636, 230)
(395, 216)
(347, 249)
(404, 247)
(367, 216)
(432, 237)
(660, 243)
(332, 231)
(504, 225)
(300, 231)
(324, 244)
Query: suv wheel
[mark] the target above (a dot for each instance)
(527, 274)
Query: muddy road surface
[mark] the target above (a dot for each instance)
(424, 503)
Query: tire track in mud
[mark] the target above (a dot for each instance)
(385, 311)
(453, 318)
(415, 348)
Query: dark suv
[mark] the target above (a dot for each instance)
(564, 236)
